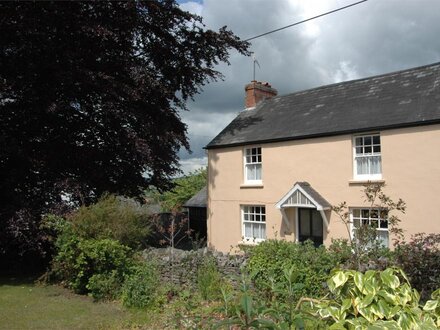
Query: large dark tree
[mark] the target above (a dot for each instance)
(90, 94)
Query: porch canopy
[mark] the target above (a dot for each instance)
(302, 195)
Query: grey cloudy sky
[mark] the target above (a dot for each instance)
(374, 37)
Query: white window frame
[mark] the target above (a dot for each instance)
(251, 210)
(368, 155)
(370, 220)
(256, 164)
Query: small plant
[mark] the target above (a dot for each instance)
(209, 280)
(141, 286)
(247, 313)
(285, 297)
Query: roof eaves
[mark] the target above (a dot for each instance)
(325, 134)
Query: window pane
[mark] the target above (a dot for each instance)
(375, 165)
(374, 223)
(376, 149)
(368, 150)
(356, 223)
(362, 165)
(263, 231)
(247, 230)
(258, 172)
(358, 141)
(383, 224)
(365, 213)
(382, 236)
(250, 172)
(367, 140)
(356, 213)
(376, 139)
(255, 231)
(359, 151)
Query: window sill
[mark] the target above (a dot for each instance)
(364, 181)
(251, 241)
(252, 185)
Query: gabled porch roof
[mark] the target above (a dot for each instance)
(303, 195)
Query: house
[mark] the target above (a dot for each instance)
(196, 206)
(279, 166)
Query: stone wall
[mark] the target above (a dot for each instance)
(180, 267)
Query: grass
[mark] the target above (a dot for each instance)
(25, 305)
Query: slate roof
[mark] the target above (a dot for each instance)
(198, 200)
(399, 99)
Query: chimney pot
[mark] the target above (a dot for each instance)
(257, 91)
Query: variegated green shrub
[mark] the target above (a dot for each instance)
(377, 300)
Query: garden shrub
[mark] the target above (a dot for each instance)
(420, 259)
(141, 287)
(269, 259)
(78, 260)
(209, 280)
(113, 217)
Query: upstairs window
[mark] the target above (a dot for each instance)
(375, 218)
(254, 223)
(367, 157)
(252, 165)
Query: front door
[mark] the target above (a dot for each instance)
(310, 226)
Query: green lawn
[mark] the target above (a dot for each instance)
(24, 305)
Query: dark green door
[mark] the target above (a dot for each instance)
(310, 226)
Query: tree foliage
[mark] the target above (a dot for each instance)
(184, 188)
(90, 94)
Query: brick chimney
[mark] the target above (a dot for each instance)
(258, 91)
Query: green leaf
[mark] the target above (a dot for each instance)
(337, 326)
(346, 304)
(389, 298)
(383, 308)
(389, 279)
(366, 301)
(246, 305)
(339, 279)
(358, 280)
(334, 312)
(384, 325)
(367, 314)
(430, 305)
(377, 310)
(436, 294)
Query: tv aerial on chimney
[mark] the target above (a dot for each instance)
(255, 62)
